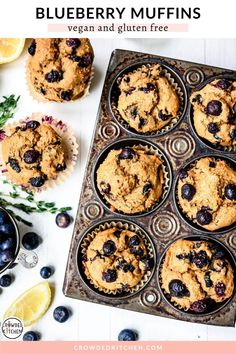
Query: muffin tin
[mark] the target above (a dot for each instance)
(164, 223)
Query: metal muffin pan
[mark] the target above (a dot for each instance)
(163, 224)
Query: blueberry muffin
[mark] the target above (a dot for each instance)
(147, 100)
(131, 179)
(116, 260)
(197, 275)
(59, 69)
(33, 154)
(207, 193)
(214, 112)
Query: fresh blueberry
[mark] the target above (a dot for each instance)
(75, 58)
(5, 280)
(204, 217)
(8, 243)
(66, 95)
(54, 76)
(220, 289)
(223, 84)
(61, 167)
(32, 124)
(188, 191)
(6, 257)
(200, 259)
(178, 289)
(134, 241)
(63, 220)
(199, 306)
(3, 217)
(233, 134)
(230, 191)
(32, 47)
(30, 241)
(109, 247)
(31, 336)
(46, 272)
(213, 128)
(126, 154)
(37, 181)
(86, 60)
(7, 229)
(14, 164)
(73, 42)
(214, 108)
(127, 335)
(31, 156)
(61, 314)
(109, 276)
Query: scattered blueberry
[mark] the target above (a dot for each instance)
(31, 336)
(230, 191)
(37, 181)
(223, 84)
(220, 289)
(204, 217)
(127, 335)
(32, 124)
(109, 247)
(66, 95)
(188, 191)
(54, 76)
(213, 128)
(199, 306)
(214, 108)
(178, 289)
(8, 229)
(63, 220)
(31, 156)
(126, 154)
(73, 42)
(86, 60)
(46, 272)
(30, 241)
(109, 276)
(32, 48)
(200, 259)
(5, 280)
(61, 314)
(14, 164)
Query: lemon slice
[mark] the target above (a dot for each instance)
(10, 49)
(30, 306)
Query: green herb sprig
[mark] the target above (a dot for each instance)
(7, 108)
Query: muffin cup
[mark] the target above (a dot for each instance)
(193, 224)
(87, 238)
(148, 147)
(172, 303)
(174, 79)
(217, 147)
(41, 99)
(68, 141)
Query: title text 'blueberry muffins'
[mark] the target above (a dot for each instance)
(59, 69)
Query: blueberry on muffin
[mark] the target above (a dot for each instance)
(59, 69)
(147, 101)
(214, 112)
(207, 193)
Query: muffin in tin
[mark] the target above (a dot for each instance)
(207, 193)
(116, 260)
(59, 69)
(131, 179)
(214, 112)
(147, 100)
(33, 153)
(196, 275)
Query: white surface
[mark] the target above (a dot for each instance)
(89, 321)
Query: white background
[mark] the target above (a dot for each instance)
(89, 321)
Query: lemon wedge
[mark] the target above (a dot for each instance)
(10, 49)
(30, 306)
